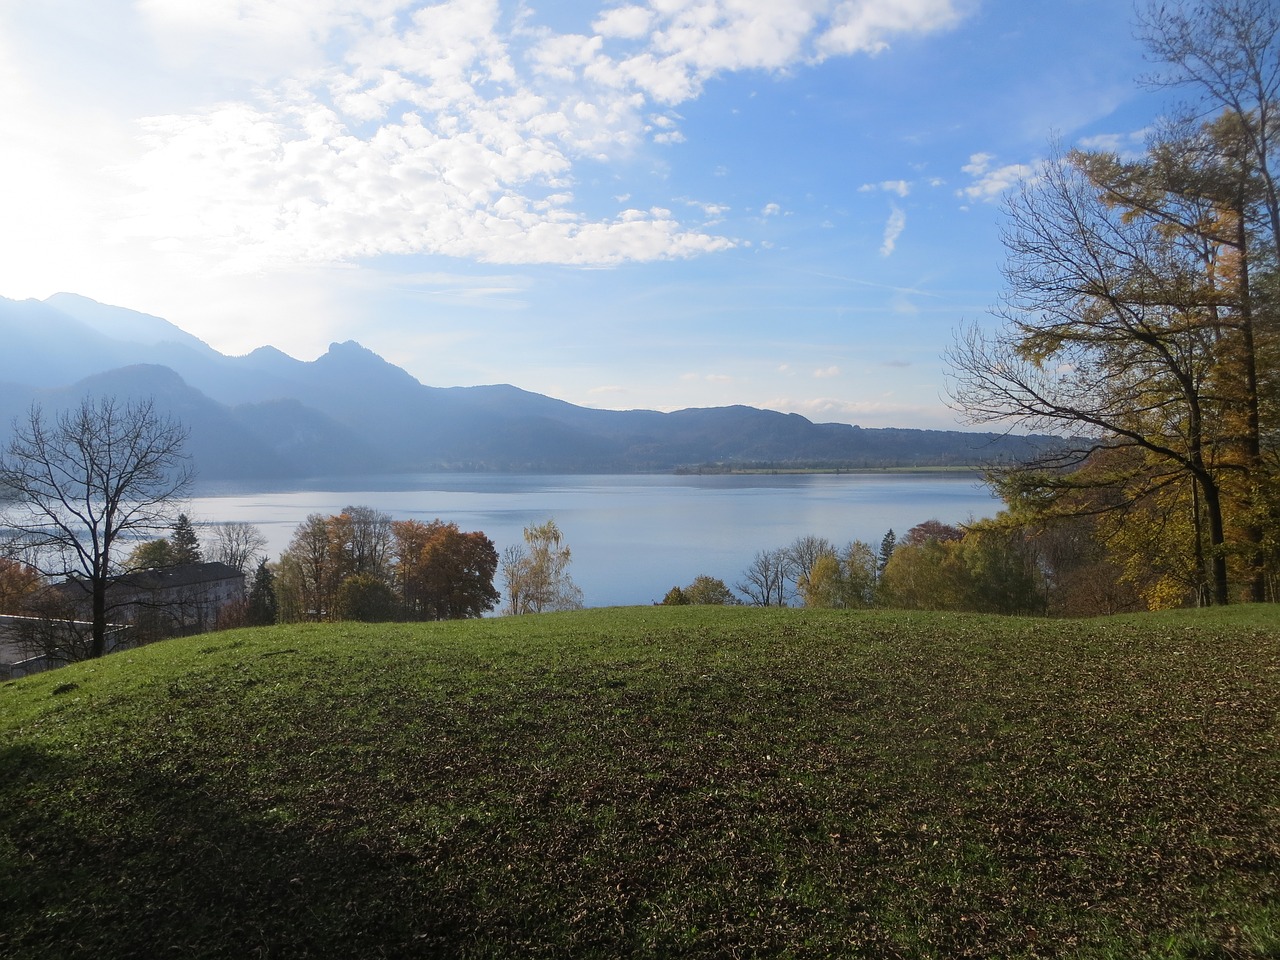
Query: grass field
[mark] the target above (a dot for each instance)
(654, 782)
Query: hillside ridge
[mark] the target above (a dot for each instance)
(350, 411)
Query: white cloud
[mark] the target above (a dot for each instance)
(978, 164)
(989, 183)
(340, 130)
(865, 26)
(892, 230)
(629, 22)
(899, 187)
(826, 373)
(260, 39)
(770, 210)
(1128, 146)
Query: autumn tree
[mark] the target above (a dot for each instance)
(922, 577)
(1140, 314)
(802, 554)
(1109, 337)
(441, 572)
(307, 578)
(536, 574)
(822, 585)
(360, 541)
(84, 482)
(841, 579)
(351, 564)
(19, 584)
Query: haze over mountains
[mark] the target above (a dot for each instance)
(267, 415)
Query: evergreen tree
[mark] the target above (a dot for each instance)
(887, 544)
(185, 543)
(262, 597)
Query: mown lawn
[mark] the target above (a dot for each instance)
(654, 782)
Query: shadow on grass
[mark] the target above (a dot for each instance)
(150, 866)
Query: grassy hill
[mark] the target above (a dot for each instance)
(654, 782)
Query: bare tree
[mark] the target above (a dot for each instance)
(102, 472)
(764, 582)
(237, 544)
(363, 539)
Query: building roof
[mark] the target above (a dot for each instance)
(162, 578)
(182, 575)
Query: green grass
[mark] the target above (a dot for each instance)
(654, 782)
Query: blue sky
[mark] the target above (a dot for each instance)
(654, 203)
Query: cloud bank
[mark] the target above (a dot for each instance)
(361, 128)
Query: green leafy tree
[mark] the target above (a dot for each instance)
(150, 555)
(364, 597)
(859, 566)
(704, 590)
(709, 591)
(676, 597)
(1002, 564)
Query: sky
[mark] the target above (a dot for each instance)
(623, 204)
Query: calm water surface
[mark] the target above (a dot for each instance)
(632, 537)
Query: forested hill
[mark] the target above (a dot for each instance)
(269, 416)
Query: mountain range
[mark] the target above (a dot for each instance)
(267, 415)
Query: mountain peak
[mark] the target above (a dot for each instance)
(350, 357)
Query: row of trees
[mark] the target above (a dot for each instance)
(935, 566)
(989, 566)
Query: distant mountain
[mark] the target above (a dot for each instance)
(267, 415)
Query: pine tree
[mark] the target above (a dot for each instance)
(262, 597)
(886, 551)
(185, 543)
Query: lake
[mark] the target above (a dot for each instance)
(632, 537)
